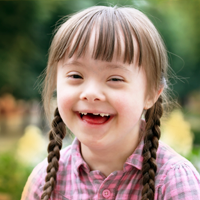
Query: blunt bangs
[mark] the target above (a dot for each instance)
(112, 31)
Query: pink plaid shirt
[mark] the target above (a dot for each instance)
(176, 178)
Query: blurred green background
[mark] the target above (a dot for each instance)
(26, 29)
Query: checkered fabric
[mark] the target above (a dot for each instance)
(176, 178)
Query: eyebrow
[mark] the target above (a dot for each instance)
(109, 65)
(74, 62)
(114, 66)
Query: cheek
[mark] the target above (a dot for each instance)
(121, 104)
(129, 107)
(65, 102)
(64, 93)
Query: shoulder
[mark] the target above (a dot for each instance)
(167, 157)
(34, 185)
(176, 176)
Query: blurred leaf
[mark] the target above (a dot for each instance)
(13, 175)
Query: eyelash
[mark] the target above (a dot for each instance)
(116, 80)
(75, 76)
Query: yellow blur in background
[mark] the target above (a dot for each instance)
(31, 147)
(176, 132)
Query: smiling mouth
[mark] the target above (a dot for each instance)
(94, 118)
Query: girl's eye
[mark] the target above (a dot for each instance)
(115, 79)
(74, 76)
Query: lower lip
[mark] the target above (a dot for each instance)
(94, 124)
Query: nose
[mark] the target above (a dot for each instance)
(92, 92)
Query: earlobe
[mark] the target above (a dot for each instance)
(148, 104)
(151, 100)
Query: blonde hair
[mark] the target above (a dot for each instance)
(109, 23)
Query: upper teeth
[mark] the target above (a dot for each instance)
(101, 114)
(84, 113)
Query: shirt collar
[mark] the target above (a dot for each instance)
(77, 159)
(135, 159)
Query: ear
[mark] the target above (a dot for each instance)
(151, 100)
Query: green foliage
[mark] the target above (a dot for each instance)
(196, 136)
(178, 22)
(194, 156)
(194, 121)
(13, 175)
(26, 29)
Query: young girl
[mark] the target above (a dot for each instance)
(109, 67)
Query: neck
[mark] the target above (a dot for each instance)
(110, 159)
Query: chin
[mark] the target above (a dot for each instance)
(94, 143)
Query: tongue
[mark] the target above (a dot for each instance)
(94, 119)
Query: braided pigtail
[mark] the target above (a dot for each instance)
(152, 136)
(56, 135)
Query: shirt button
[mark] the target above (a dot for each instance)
(106, 193)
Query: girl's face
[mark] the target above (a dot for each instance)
(101, 102)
